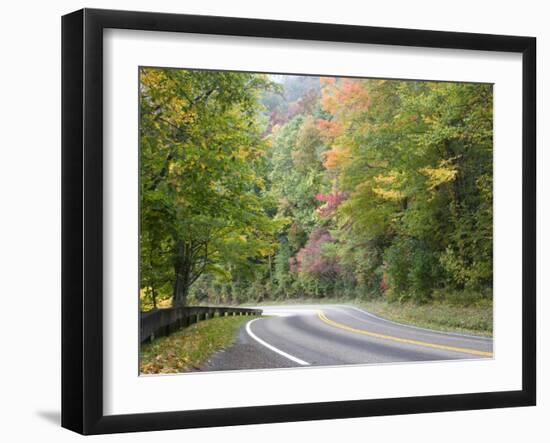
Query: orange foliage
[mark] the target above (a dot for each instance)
(330, 128)
(338, 94)
(336, 156)
(327, 80)
(342, 98)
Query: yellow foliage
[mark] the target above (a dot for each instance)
(389, 194)
(385, 179)
(389, 184)
(445, 173)
(242, 153)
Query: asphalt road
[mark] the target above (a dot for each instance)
(329, 335)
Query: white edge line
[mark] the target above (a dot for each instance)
(455, 334)
(273, 348)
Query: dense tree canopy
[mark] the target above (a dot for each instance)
(202, 194)
(258, 187)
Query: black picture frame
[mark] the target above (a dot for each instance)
(82, 220)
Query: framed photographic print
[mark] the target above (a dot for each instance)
(269, 221)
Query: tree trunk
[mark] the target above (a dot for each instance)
(182, 268)
(188, 267)
(270, 271)
(154, 295)
(181, 288)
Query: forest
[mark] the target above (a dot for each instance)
(258, 188)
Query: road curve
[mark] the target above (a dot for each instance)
(328, 335)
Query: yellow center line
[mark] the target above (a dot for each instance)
(330, 322)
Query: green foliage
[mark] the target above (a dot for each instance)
(411, 270)
(282, 276)
(296, 175)
(202, 201)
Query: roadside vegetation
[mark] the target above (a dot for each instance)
(468, 317)
(476, 319)
(257, 188)
(190, 348)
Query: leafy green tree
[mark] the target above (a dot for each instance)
(200, 194)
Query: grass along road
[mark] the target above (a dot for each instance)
(473, 319)
(188, 349)
(440, 316)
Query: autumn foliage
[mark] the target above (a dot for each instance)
(256, 187)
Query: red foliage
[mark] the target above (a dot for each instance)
(311, 260)
(332, 201)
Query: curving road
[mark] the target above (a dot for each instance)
(328, 335)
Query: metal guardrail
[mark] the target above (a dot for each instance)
(162, 322)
